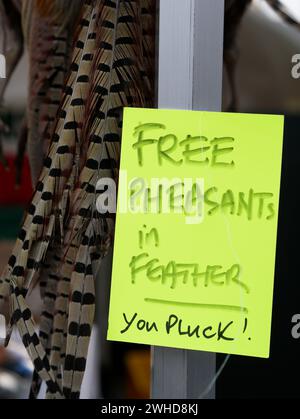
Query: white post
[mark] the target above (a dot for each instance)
(190, 77)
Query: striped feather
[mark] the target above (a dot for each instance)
(22, 318)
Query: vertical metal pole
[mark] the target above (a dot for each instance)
(190, 77)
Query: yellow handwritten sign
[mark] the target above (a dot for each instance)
(195, 241)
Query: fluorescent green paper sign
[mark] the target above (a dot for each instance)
(196, 229)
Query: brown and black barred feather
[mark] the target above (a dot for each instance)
(49, 28)
(53, 303)
(118, 82)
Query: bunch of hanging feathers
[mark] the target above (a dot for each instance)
(63, 238)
